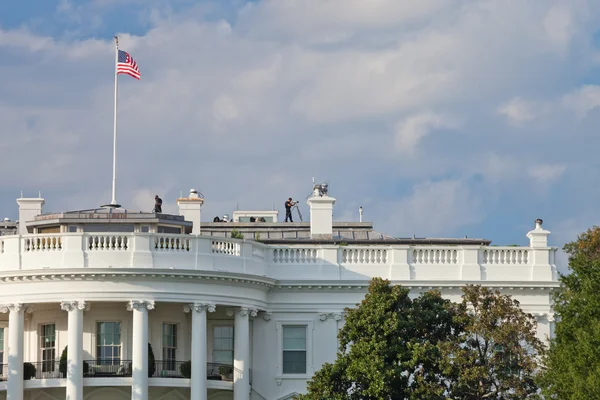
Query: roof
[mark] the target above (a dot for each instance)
(346, 232)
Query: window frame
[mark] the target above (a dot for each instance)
(121, 345)
(310, 326)
(48, 366)
(3, 330)
(222, 325)
(170, 364)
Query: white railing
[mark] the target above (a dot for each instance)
(108, 242)
(226, 247)
(505, 255)
(171, 243)
(358, 255)
(438, 255)
(42, 243)
(151, 250)
(295, 255)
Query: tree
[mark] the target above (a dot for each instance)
(496, 355)
(571, 367)
(388, 347)
(392, 347)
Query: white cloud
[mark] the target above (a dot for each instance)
(545, 173)
(519, 111)
(250, 109)
(434, 208)
(583, 99)
(410, 131)
(559, 25)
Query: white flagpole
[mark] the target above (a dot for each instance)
(114, 178)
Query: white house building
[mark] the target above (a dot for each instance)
(225, 318)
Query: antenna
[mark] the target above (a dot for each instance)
(40, 194)
(360, 214)
(21, 194)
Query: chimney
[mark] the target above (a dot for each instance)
(29, 208)
(538, 237)
(190, 207)
(321, 212)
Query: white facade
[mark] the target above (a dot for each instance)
(270, 311)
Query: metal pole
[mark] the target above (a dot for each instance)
(114, 178)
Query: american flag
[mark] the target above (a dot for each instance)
(127, 65)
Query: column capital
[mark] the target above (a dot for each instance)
(75, 305)
(140, 305)
(243, 311)
(267, 316)
(15, 307)
(197, 307)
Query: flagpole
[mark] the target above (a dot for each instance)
(114, 177)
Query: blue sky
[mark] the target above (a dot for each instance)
(442, 118)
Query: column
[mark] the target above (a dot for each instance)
(241, 356)
(16, 321)
(139, 359)
(75, 347)
(199, 389)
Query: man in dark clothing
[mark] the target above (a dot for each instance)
(288, 209)
(157, 204)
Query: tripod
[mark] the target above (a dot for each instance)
(298, 210)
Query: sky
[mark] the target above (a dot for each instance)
(441, 118)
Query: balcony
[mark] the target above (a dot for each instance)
(122, 369)
(295, 261)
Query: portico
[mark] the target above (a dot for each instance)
(178, 333)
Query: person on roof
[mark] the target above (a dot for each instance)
(288, 209)
(157, 204)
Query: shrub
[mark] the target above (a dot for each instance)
(226, 370)
(29, 371)
(186, 369)
(62, 364)
(151, 361)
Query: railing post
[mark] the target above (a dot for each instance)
(142, 245)
(470, 270)
(398, 259)
(11, 258)
(73, 247)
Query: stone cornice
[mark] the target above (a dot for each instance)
(89, 274)
(416, 285)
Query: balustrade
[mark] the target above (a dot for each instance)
(108, 242)
(149, 250)
(505, 256)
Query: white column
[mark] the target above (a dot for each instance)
(139, 359)
(75, 347)
(199, 388)
(241, 356)
(16, 321)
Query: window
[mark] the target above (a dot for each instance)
(223, 344)
(169, 346)
(1, 347)
(48, 346)
(72, 228)
(108, 342)
(294, 350)
(145, 229)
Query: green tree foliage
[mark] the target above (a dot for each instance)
(496, 355)
(235, 234)
(386, 342)
(572, 368)
(393, 347)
